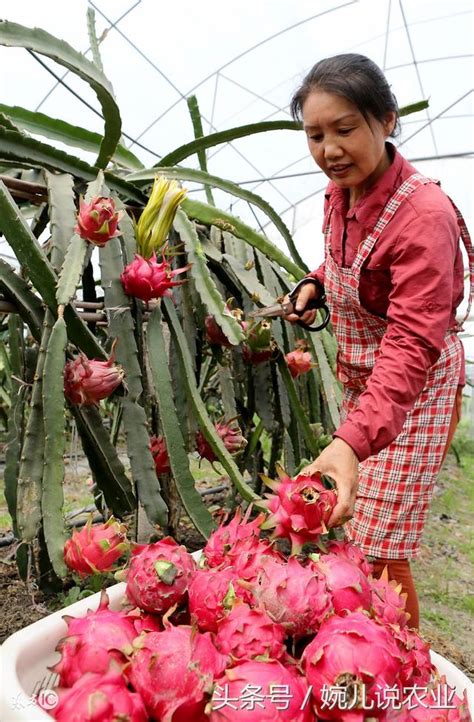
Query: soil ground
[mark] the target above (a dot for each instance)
(443, 573)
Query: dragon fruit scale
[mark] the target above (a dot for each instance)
(347, 585)
(260, 691)
(388, 602)
(231, 435)
(159, 575)
(359, 657)
(160, 455)
(97, 221)
(146, 278)
(299, 508)
(95, 549)
(349, 550)
(174, 671)
(222, 540)
(211, 594)
(88, 381)
(99, 698)
(93, 642)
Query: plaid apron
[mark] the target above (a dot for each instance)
(396, 485)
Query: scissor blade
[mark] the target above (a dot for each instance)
(268, 311)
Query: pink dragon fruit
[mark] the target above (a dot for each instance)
(348, 587)
(143, 621)
(300, 508)
(93, 642)
(349, 550)
(355, 654)
(259, 691)
(293, 596)
(87, 381)
(147, 279)
(388, 603)
(417, 668)
(211, 593)
(159, 575)
(230, 434)
(223, 539)
(299, 362)
(246, 633)
(97, 221)
(160, 455)
(99, 698)
(95, 549)
(174, 671)
(214, 334)
(259, 345)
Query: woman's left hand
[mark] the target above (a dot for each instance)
(338, 461)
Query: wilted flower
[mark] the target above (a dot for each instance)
(299, 362)
(87, 381)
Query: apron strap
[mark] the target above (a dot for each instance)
(466, 239)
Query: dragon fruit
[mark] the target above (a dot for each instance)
(214, 334)
(417, 668)
(259, 345)
(388, 603)
(147, 279)
(231, 435)
(300, 508)
(348, 587)
(223, 539)
(211, 593)
(293, 596)
(349, 550)
(174, 671)
(245, 633)
(97, 221)
(96, 548)
(259, 691)
(356, 654)
(299, 362)
(160, 455)
(87, 381)
(99, 698)
(93, 642)
(159, 575)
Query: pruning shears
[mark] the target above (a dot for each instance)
(283, 309)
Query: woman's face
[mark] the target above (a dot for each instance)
(350, 151)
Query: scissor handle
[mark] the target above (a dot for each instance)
(318, 304)
(326, 317)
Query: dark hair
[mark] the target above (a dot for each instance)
(354, 77)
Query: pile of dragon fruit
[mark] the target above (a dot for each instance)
(248, 632)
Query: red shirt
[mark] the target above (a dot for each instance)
(414, 279)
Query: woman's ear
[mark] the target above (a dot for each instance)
(390, 122)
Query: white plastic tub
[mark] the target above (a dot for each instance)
(26, 655)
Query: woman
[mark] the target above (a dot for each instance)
(393, 277)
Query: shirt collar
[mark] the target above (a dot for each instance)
(369, 206)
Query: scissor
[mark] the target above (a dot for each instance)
(282, 309)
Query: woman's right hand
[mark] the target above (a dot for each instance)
(306, 293)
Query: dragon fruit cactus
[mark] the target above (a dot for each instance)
(160, 455)
(259, 345)
(300, 508)
(159, 575)
(299, 362)
(93, 642)
(388, 602)
(97, 221)
(348, 587)
(174, 671)
(95, 549)
(222, 540)
(349, 550)
(260, 691)
(147, 279)
(87, 381)
(231, 435)
(211, 594)
(293, 596)
(358, 656)
(99, 698)
(245, 633)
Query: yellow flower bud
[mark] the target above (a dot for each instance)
(158, 215)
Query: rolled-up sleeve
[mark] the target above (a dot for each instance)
(418, 316)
